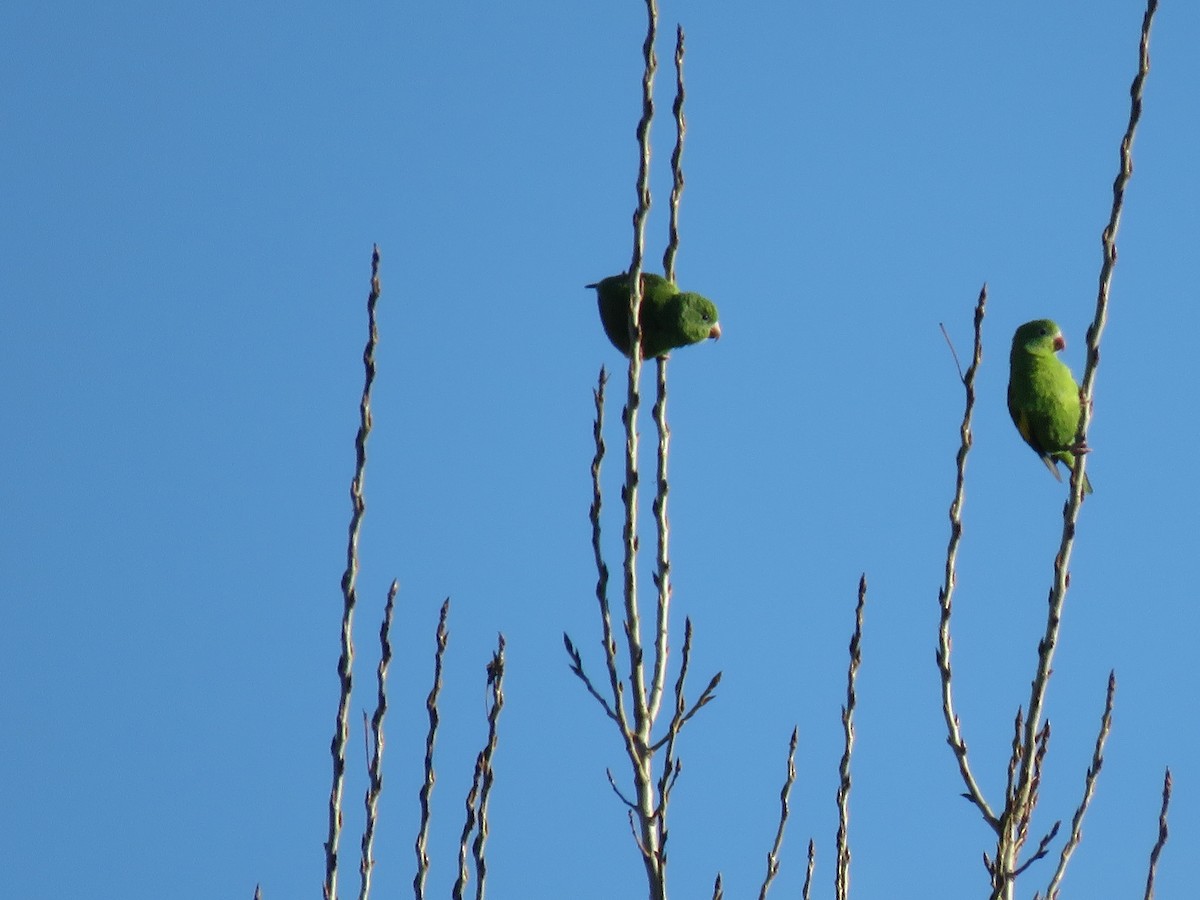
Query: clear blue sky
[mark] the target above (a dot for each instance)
(190, 193)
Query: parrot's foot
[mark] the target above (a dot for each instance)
(1081, 449)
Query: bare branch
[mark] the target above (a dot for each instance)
(1062, 559)
(676, 160)
(629, 494)
(946, 592)
(680, 717)
(610, 644)
(341, 728)
(495, 680)
(442, 636)
(1161, 841)
(784, 795)
(953, 352)
(842, 875)
(616, 790)
(670, 764)
(375, 766)
(1089, 788)
(464, 875)
(662, 578)
(662, 575)
(577, 668)
(1041, 851)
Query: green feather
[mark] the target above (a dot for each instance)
(1043, 398)
(669, 318)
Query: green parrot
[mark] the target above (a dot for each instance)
(669, 317)
(1043, 398)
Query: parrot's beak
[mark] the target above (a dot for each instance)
(715, 332)
(1060, 342)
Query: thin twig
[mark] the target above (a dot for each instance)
(946, 592)
(1014, 759)
(612, 783)
(577, 669)
(649, 828)
(718, 890)
(953, 352)
(662, 527)
(375, 767)
(842, 875)
(1108, 238)
(784, 795)
(633, 396)
(460, 881)
(341, 728)
(1062, 559)
(676, 160)
(1089, 788)
(443, 635)
(682, 718)
(808, 872)
(662, 578)
(670, 764)
(1042, 849)
(1025, 815)
(495, 680)
(615, 711)
(1161, 841)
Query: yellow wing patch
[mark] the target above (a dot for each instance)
(1023, 426)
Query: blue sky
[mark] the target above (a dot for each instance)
(190, 196)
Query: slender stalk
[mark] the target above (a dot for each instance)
(784, 796)
(677, 180)
(375, 765)
(458, 891)
(431, 706)
(808, 872)
(662, 526)
(1062, 560)
(341, 730)
(946, 593)
(662, 578)
(1089, 789)
(487, 757)
(649, 831)
(1161, 840)
(842, 874)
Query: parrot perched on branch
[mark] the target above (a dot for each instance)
(669, 317)
(1043, 398)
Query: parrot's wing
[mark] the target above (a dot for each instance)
(1020, 417)
(1013, 410)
